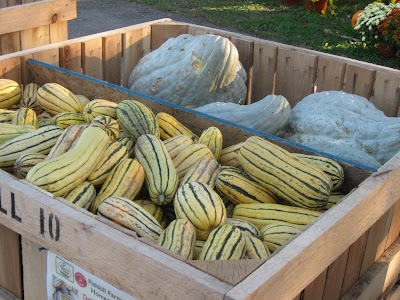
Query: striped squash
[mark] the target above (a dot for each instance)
(125, 180)
(201, 206)
(276, 235)
(114, 154)
(67, 140)
(29, 98)
(55, 99)
(224, 243)
(161, 176)
(204, 170)
(82, 195)
(83, 100)
(170, 127)
(25, 116)
(198, 247)
(10, 93)
(176, 144)
(333, 199)
(6, 115)
(129, 144)
(26, 162)
(155, 210)
(229, 156)
(131, 215)
(238, 187)
(136, 119)
(255, 247)
(63, 173)
(99, 107)
(327, 165)
(108, 124)
(261, 214)
(38, 141)
(285, 175)
(67, 119)
(179, 237)
(244, 226)
(212, 138)
(10, 131)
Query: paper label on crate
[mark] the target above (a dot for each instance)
(67, 281)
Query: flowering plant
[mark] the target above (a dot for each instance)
(368, 20)
(389, 29)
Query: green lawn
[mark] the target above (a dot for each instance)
(290, 24)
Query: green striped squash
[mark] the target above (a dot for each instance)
(10, 93)
(245, 226)
(26, 162)
(198, 247)
(179, 237)
(204, 170)
(276, 235)
(238, 187)
(212, 138)
(10, 131)
(55, 99)
(255, 248)
(201, 206)
(161, 176)
(136, 119)
(29, 98)
(171, 127)
(38, 141)
(82, 195)
(129, 144)
(261, 214)
(176, 144)
(229, 156)
(282, 173)
(108, 124)
(67, 119)
(25, 116)
(6, 115)
(131, 215)
(224, 243)
(154, 209)
(99, 107)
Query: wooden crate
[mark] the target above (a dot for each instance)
(26, 24)
(323, 262)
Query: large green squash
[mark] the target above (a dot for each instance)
(192, 71)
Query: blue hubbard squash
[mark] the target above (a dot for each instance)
(192, 71)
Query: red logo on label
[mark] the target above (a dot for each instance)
(80, 279)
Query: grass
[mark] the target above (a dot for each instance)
(285, 23)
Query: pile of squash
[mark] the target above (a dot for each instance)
(152, 174)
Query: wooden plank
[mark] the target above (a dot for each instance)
(359, 81)
(295, 75)
(330, 75)
(34, 260)
(315, 290)
(136, 44)
(335, 276)
(36, 14)
(376, 241)
(58, 32)
(92, 58)
(75, 236)
(11, 69)
(302, 258)
(10, 42)
(35, 37)
(245, 49)
(10, 261)
(112, 53)
(193, 30)
(159, 34)
(264, 67)
(70, 57)
(385, 89)
(378, 277)
(26, 74)
(394, 230)
(354, 262)
(51, 56)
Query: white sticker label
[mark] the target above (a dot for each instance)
(67, 281)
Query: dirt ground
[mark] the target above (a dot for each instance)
(96, 16)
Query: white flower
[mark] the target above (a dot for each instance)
(363, 39)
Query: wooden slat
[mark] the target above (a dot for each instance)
(112, 53)
(92, 58)
(330, 75)
(35, 37)
(136, 44)
(70, 57)
(34, 260)
(25, 73)
(335, 276)
(58, 32)
(159, 34)
(315, 290)
(354, 262)
(394, 230)
(376, 242)
(51, 56)
(36, 14)
(10, 261)
(359, 81)
(264, 67)
(11, 69)
(385, 89)
(10, 42)
(194, 30)
(295, 75)
(378, 277)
